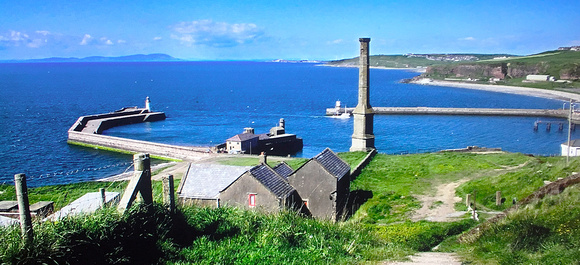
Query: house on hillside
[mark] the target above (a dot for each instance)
(573, 150)
(202, 183)
(324, 184)
(246, 142)
(283, 170)
(263, 189)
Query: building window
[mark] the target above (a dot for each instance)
(252, 200)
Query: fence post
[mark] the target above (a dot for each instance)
(103, 198)
(468, 200)
(140, 183)
(169, 192)
(498, 198)
(23, 208)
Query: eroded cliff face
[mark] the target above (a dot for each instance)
(501, 70)
(571, 73)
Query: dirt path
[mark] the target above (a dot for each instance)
(430, 258)
(441, 207)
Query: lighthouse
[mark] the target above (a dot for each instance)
(148, 104)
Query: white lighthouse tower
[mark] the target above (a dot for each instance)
(148, 104)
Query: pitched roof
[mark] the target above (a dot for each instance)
(283, 170)
(205, 181)
(271, 180)
(242, 137)
(573, 143)
(332, 163)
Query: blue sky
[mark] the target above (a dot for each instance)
(294, 29)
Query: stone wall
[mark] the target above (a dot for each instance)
(137, 146)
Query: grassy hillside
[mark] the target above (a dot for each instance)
(406, 61)
(544, 232)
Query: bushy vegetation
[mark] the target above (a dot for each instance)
(147, 235)
(544, 232)
(520, 183)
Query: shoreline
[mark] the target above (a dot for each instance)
(525, 91)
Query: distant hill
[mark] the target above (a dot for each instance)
(412, 60)
(155, 57)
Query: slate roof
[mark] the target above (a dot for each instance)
(242, 137)
(205, 181)
(573, 143)
(271, 180)
(283, 170)
(332, 163)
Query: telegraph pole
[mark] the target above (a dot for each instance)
(569, 132)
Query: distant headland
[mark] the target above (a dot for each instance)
(154, 57)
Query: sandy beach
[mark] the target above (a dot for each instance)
(534, 92)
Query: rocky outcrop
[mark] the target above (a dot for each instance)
(518, 70)
(570, 73)
(498, 70)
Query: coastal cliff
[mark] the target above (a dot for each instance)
(562, 65)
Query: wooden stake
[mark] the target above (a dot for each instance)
(103, 198)
(169, 192)
(140, 183)
(24, 208)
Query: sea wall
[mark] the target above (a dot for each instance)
(138, 146)
(555, 113)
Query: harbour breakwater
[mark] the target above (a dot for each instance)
(87, 130)
(554, 113)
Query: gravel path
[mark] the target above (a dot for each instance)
(429, 258)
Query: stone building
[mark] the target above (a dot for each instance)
(202, 183)
(324, 184)
(246, 142)
(263, 189)
(275, 142)
(572, 150)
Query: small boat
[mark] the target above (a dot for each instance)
(343, 115)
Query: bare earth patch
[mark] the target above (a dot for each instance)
(430, 258)
(444, 211)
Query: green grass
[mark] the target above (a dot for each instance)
(395, 179)
(61, 195)
(353, 158)
(544, 232)
(518, 184)
(148, 235)
(294, 163)
(115, 150)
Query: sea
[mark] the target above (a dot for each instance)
(208, 102)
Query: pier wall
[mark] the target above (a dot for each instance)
(138, 146)
(88, 129)
(109, 123)
(555, 113)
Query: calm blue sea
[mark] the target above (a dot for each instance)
(207, 102)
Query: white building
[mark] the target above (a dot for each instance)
(574, 148)
(540, 78)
